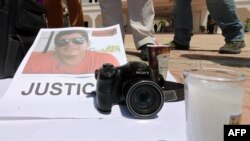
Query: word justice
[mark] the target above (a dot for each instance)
(58, 88)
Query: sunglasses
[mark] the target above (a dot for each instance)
(76, 41)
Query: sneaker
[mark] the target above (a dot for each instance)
(176, 46)
(232, 47)
(144, 52)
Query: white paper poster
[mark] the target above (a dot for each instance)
(56, 78)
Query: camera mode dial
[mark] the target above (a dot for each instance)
(107, 71)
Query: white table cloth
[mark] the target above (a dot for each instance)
(168, 126)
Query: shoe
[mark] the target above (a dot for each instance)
(232, 47)
(144, 52)
(176, 46)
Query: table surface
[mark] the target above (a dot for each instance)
(168, 126)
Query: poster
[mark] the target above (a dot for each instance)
(56, 79)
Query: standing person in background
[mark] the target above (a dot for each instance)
(224, 13)
(55, 12)
(141, 16)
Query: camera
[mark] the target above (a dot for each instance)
(129, 84)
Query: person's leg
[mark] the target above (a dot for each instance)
(141, 16)
(229, 23)
(54, 13)
(226, 18)
(75, 12)
(183, 23)
(111, 11)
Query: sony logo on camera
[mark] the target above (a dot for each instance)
(138, 72)
(236, 132)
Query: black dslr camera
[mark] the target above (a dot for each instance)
(133, 85)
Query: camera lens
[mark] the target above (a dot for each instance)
(144, 98)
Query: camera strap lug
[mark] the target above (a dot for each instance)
(173, 91)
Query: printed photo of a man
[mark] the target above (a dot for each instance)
(71, 55)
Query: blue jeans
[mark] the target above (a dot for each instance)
(223, 11)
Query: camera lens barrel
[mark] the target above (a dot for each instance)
(144, 99)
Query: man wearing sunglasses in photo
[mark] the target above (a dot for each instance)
(71, 56)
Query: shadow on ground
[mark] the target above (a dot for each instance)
(223, 60)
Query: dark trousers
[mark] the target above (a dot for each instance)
(55, 12)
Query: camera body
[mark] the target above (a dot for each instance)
(131, 84)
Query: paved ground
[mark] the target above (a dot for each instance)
(203, 52)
